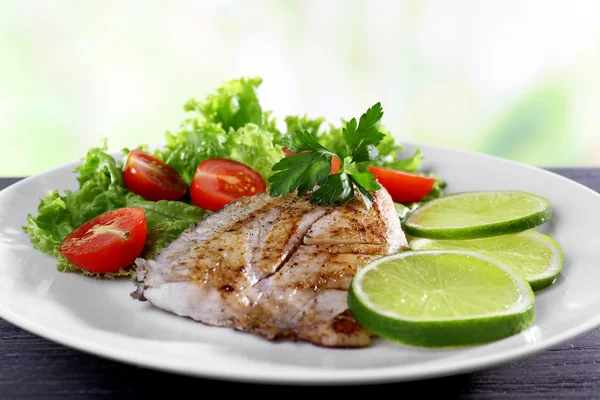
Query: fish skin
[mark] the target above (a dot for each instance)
(272, 266)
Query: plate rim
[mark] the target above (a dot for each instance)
(356, 376)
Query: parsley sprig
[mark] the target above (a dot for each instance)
(311, 167)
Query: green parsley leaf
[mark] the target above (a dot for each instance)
(302, 171)
(365, 182)
(333, 139)
(337, 187)
(304, 141)
(362, 138)
(311, 167)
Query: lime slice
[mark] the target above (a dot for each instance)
(535, 256)
(472, 215)
(440, 298)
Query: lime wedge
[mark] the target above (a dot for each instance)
(472, 215)
(535, 256)
(440, 298)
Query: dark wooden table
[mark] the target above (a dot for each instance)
(31, 366)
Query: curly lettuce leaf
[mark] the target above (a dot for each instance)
(304, 123)
(49, 227)
(229, 123)
(437, 190)
(254, 147)
(234, 105)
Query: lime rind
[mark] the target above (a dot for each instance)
(537, 216)
(537, 281)
(543, 280)
(447, 331)
(450, 334)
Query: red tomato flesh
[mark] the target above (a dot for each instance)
(335, 165)
(404, 187)
(219, 181)
(152, 178)
(107, 243)
(335, 162)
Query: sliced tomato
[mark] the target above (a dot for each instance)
(219, 181)
(152, 178)
(107, 243)
(335, 162)
(404, 187)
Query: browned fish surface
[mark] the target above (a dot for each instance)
(276, 267)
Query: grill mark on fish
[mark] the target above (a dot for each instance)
(296, 245)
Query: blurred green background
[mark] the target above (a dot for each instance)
(516, 79)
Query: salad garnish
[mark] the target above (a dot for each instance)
(307, 154)
(306, 170)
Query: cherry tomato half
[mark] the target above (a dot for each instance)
(152, 178)
(335, 162)
(404, 187)
(107, 243)
(219, 181)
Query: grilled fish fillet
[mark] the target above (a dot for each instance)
(276, 267)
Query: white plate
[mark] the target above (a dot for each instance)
(100, 317)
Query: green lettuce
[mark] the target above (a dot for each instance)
(304, 123)
(229, 123)
(405, 210)
(166, 220)
(437, 190)
(253, 146)
(389, 153)
(234, 105)
(101, 190)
